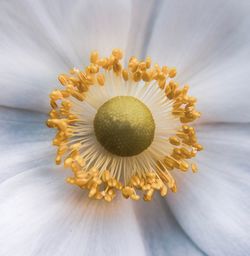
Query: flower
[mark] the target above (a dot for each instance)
(209, 44)
(123, 128)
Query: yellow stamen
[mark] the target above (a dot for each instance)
(100, 79)
(101, 180)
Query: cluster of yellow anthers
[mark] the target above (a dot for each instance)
(101, 184)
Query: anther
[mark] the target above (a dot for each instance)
(100, 79)
(94, 57)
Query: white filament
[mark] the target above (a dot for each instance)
(96, 155)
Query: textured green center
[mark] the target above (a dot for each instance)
(124, 126)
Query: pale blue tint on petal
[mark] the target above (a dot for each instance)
(25, 142)
(143, 18)
(213, 205)
(41, 39)
(43, 216)
(161, 232)
(209, 43)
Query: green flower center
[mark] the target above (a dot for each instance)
(124, 126)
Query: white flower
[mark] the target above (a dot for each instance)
(209, 43)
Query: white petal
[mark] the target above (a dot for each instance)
(213, 206)
(143, 17)
(25, 142)
(209, 43)
(161, 233)
(43, 39)
(41, 215)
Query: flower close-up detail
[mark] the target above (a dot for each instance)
(125, 128)
(129, 131)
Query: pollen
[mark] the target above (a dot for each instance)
(123, 128)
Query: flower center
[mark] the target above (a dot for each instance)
(124, 126)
